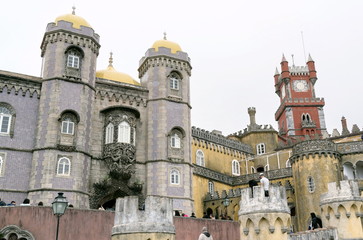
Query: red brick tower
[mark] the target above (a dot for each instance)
(300, 114)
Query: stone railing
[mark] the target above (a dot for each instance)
(272, 174)
(220, 139)
(350, 147)
(243, 179)
(213, 175)
(298, 101)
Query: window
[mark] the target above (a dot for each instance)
(5, 120)
(311, 184)
(175, 141)
(174, 177)
(236, 170)
(174, 83)
(73, 60)
(64, 166)
(211, 188)
(68, 126)
(200, 158)
(124, 132)
(109, 133)
(260, 148)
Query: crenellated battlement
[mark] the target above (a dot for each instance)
(156, 218)
(264, 217)
(341, 207)
(258, 203)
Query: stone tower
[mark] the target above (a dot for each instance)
(314, 163)
(165, 72)
(341, 207)
(300, 114)
(155, 222)
(264, 217)
(62, 145)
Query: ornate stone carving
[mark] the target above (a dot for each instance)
(120, 157)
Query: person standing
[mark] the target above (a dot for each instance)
(265, 183)
(205, 235)
(315, 222)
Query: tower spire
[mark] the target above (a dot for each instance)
(110, 60)
(74, 10)
(283, 58)
(165, 36)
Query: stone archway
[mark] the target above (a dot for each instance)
(13, 232)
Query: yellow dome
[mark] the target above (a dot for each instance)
(174, 47)
(111, 74)
(77, 21)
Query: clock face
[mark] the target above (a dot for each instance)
(300, 86)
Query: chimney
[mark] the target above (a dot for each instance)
(345, 130)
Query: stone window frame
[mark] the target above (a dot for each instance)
(175, 176)
(200, 158)
(236, 168)
(2, 163)
(117, 117)
(311, 184)
(66, 118)
(176, 136)
(306, 117)
(260, 148)
(60, 158)
(10, 112)
(73, 62)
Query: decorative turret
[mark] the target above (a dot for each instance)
(155, 222)
(264, 217)
(341, 207)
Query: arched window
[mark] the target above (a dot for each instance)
(73, 59)
(211, 188)
(200, 158)
(175, 141)
(5, 120)
(174, 79)
(64, 166)
(124, 132)
(311, 184)
(109, 133)
(174, 177)
(68, 125)
(236, 170)
(260, 148)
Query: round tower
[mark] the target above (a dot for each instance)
(164, 71)
(61, 159)
(314, 164)
(341, 207)
(264, 217)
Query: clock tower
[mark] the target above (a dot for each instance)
(300, 114)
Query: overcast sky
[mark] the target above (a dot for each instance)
(234, 46)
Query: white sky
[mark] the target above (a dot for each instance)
(234, 46)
